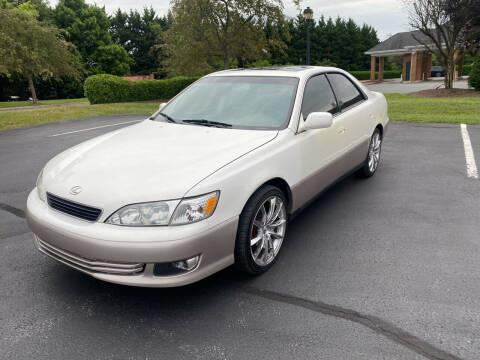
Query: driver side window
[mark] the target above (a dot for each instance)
(318, 97)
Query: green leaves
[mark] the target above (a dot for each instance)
(209, 34)
(333, 41)
(474, 78)
(139, 34)
(112, 59)
(87, 27)
(32, 48)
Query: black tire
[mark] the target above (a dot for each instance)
(366, 171)
(244, 260)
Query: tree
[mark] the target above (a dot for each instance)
(37, 8)
(112, 59)
(87, 27)
(278, 36)
(138, 34)
(471, 33)
(368, 39)
(443, 24)
(339, 41)
(30, 48)
(474, 78)
(206, 33)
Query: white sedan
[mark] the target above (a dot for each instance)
(209, 180)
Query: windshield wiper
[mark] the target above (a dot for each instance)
(169, 118)
(206, 123)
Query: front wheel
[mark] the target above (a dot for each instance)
(373, 157)
(261, 230)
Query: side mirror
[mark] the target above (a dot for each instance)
(318, 120)
(162, 105)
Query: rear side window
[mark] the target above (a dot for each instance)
(318, 97)
(347, 93)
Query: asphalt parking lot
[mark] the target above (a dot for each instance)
(385, 268)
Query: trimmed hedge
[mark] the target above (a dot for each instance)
(103, 88)
(365, 74)
(474, 78)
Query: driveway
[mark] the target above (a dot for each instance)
(385, 268)
(396, 86)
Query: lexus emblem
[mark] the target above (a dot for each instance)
(76, 190)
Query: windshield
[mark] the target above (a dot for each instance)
(245, 102)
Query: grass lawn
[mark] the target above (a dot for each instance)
(439, 110)
(8, 104)
(29, 117)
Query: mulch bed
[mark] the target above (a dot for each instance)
(445, 93)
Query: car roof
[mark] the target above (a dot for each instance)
(298, 71)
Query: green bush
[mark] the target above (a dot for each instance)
(103, 88)
(466, 70)
(365, 74)
(474, 78)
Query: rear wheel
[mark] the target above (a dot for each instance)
(373, 157)
(261, 230)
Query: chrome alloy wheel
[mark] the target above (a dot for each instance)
(268, 230)
(374, 152)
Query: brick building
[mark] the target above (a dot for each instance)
(417, 60)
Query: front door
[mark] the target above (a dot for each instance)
(355, 112)
(320, 149)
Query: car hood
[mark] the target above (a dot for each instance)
(148, 161)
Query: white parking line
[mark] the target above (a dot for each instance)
(472, 171)
(94, 128)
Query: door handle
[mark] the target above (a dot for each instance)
(342, 130)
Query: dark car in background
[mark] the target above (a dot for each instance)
(437, 71)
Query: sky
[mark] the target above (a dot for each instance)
(386, 16)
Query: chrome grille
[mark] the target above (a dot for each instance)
(87, 265)
(72, 208)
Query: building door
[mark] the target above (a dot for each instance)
(408, 68)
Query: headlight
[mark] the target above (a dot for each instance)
(195, 209)
(40, 188)
(174, 212)
(146, 214)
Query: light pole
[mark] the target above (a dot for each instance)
(308, 14)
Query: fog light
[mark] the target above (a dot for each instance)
(186, 265)
(176, 267)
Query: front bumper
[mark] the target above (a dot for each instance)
(127, 255)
